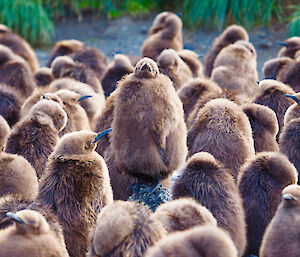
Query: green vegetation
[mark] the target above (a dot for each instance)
(33, 19)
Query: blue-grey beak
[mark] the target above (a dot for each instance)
(281, 43)
(101, 134)
(293, 97)
(14, 217)
(84, 97)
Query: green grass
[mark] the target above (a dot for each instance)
(294, 21)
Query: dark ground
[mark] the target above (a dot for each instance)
(126, 35)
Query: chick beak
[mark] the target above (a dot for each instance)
(293, 97)
(43, 96)
(101, 134)
(146, 66)
(288, 197)
(84, 97)
(281, 43)
(14, 217)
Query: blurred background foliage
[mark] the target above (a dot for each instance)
(34, 19)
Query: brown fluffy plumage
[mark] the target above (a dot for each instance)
(76, 186)
(273, 66)
(19, 46)
(114, 239)
(282, 235)
(183, 214)
(292, 46)
(170, 64)
(194, 94)
(192, 61)
(43, 77)
(293, 112)
(30, 236)
(65, 67)
(264, 126)
(165, 32)
(35, 136)
(230, 35)
(290, 75)
(222, 129)
(201, 241)
(210, 184)
(148, 118)
(15, 72)
(260, 183)
(271, 94)
(118, 68)
(235, 70)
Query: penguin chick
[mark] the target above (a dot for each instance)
(170, 64)
(30, 236)
(77, 117)
(76, 182)
(35, 136)
(19, 46)
(222, 129)
(230, 35)
(118, 68)
(235, 69)
(282, 234)
(15, 72)
(264, 126)
(92, 58)
(4, 132)
(183, 214)
(112, 239)
(271, 94)
(10, 104)
(293, 112)
(204, 173)
(192, 61)
(200, 241)
(290, 47)
(43, 77)
(289, 75)
(93, 105)
(260, 184)
(65, 47)
(273, 66)
(65, 67)
(148, 117)
(166, 32)
(194, 94)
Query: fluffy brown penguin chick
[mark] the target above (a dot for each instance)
(260, 184)
(19, 46)
(43, 77)
(201, 241)
(76, 186)
(113, 239)
(194, 94)
(222, 129)
(264, 126)
(230, 35)
(182, 214)
(271, 94)
(166, 32)
(10, 104)
(170, 64)
(35, 136)
(15, 72)
(17, 176)
(289, 75)
(93, 105)
(273, 66)
(92, 58)
(65, 67)
(30, 236)
(235, 70)
(282, 235)
(118, 68)
(77, 117)
(210, 184)
(65, 47)
(290, 47)
(192, 61)
(148, 117)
